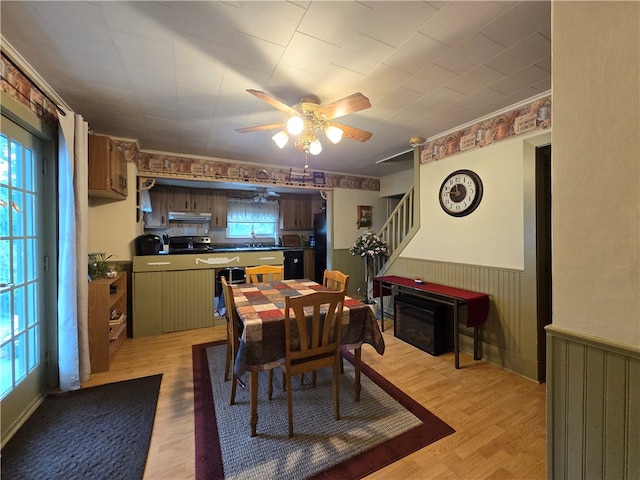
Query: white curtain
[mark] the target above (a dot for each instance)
(249, 211)
(73, 335)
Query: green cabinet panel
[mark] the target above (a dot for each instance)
(147, 304)
(188, 297)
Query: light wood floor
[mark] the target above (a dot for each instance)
(499, 417)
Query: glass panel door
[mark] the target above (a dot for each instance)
(22, 342)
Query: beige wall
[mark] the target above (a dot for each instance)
(492, 235)
(344, 204)
(596, 169)
(112, 224)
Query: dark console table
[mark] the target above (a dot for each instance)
(477, 304)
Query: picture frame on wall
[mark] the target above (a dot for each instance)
(364, 218)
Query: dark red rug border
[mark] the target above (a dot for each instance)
(207, 446)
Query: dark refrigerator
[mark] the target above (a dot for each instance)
(320, 244)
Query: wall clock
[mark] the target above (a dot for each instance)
(460, 193)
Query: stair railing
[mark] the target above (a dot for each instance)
(400, 227)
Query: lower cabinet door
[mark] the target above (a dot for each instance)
(147, 304)
(187, 296)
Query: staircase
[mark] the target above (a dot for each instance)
(400, 227)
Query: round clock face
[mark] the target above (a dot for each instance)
(460, 193)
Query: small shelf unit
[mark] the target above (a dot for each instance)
(107, 319)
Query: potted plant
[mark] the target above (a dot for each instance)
(369, 246)
(98, 265)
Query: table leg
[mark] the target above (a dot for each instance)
(358, 369)
(476, 343)
(253, 401)
(456, 342)
(381, 305)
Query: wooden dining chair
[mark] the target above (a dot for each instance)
(233, 343)
(319, 340)
(335, 280)
(264, 273)
(233, 337)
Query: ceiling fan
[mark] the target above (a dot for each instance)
(308, 117)
(262, 195)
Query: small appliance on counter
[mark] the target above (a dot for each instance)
(195, 244)
(148, 244)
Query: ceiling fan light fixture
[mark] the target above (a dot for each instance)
(281, 138)
(334, 134)
(295, 125)
(315, 147)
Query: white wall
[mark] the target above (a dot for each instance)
(397, 183)
(344, 204)
(492, 235)
(596, 169)
(112, 224)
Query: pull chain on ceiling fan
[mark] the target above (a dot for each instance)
(308, 117)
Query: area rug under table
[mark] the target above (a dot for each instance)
(383, 427)
(98, 432)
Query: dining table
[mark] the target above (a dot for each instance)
(260, 309)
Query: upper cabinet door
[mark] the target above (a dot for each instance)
(218, 203)
(107, 169)
(157, 217)
(295, 212)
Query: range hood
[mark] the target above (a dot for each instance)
(190, 217)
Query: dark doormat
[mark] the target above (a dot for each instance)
(99, 432)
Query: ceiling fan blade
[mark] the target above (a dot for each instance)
(344, 106)
(353, 133)
(273, 102)
(259, 128)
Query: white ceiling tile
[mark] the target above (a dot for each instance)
(308, 53)
(439, 98)
(157, 79)
(530, 50)
(520, 80)
(479, 99)
(393, 23)
(361, 54)
(274, 22)
(524, 19)
(416, 53)
(458, 20)
(396, 100)
(81, 20)
(184, 67)
(383, 79)
(151, 20)
(429, 78)
(469, 54)
(253, 53)
(331, 21)
(214, 21)
(144, 53)
(474, 80)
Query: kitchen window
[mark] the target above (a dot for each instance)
(247, 218)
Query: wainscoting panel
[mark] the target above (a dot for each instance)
(509, 336)
(593, 420)
(188, 302)
(508, 339)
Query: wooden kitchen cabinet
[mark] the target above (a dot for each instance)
(184, 199)
(309, 264)
(171, 301)
(218, 204)
(107, 319)
(157, 217)
(107, 169)
(295, 212)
